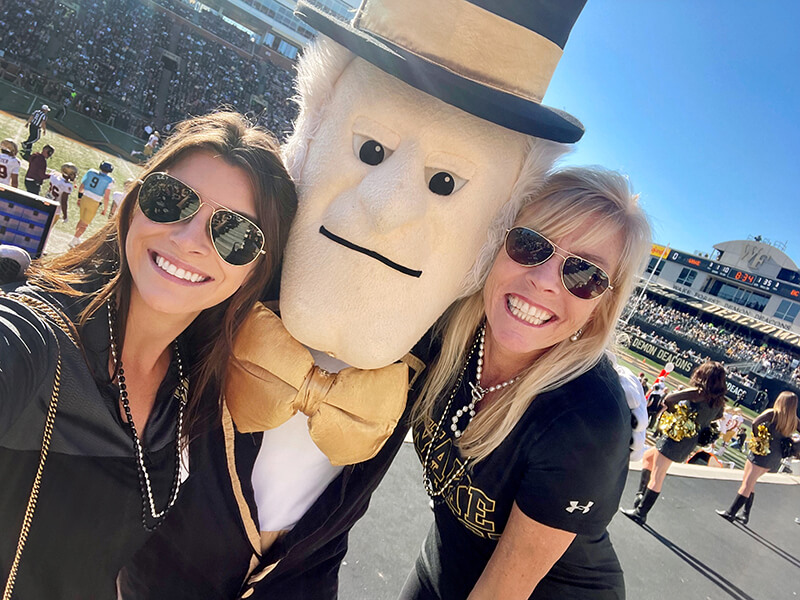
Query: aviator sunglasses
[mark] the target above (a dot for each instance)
(581, 278)
(164, 199)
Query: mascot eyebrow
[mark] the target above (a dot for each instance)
(370, 253)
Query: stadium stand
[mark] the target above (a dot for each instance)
(731, 346)
(138, 63)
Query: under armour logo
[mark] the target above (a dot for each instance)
(574, 505)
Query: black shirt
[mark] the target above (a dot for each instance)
(772, 460)
(88, 520)
(564, 464)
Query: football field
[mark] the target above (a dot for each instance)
(67, 150)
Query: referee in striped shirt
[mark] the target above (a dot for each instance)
(37, 127)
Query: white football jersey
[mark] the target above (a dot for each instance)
(58, 186)
(9, 166)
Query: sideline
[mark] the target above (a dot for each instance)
(703, 472)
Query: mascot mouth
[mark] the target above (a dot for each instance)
(370, 253)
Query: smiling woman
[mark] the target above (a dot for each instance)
(522, 427)
(118, 351)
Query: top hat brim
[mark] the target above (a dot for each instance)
(501, 108)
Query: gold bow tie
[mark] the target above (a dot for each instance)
(351, 413)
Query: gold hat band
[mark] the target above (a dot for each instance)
(468, 40)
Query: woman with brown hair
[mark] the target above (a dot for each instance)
(697, 406)
(118, 349)
(771, 442)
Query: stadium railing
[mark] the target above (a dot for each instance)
(22, 103)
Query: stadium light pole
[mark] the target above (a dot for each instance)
(635, 306)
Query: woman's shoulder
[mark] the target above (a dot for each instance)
(27, 349)
(600, 382)
(691, 394)
(32, 295)
(768, 416)
(595, 396)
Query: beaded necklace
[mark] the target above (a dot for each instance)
(181, 393)
(468, 410)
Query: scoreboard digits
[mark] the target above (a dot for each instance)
(780, 288)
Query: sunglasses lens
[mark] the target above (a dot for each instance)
(583, 279)
(164, 199)
(238, 240)
(528, 248)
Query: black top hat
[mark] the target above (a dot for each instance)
(491, 58)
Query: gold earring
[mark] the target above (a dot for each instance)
(576, 336)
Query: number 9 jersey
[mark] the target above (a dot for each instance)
(95, 184)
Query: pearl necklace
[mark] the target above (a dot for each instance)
(477, 395)
(182, 393)
(478, 392)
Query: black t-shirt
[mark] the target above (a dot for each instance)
(564, 464)
(88, 520)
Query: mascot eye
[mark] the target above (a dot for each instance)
(443, 183)
(370, 151)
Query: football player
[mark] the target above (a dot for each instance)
(61, 186)
(95, 188)
(9, 163)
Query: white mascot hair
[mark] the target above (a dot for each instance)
(319, 69)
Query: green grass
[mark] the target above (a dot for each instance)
(84, 157)
(637, 363)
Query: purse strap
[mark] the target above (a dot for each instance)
(49, 315)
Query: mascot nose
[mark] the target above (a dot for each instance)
(390, 198)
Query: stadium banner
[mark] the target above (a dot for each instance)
(737, 390)
(658, 250)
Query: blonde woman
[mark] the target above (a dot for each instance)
(781, 422)
(523, 428)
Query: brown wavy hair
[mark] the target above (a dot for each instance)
(710, 379)
(785, 409)
(234, 140)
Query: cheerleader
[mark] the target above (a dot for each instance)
(771, 441)
(689, 412)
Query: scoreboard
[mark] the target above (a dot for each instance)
(774, 286)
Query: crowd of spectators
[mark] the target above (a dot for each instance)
(768, 359)
(279, 110)
(105, 62)
(230, 33)
(27, 27)
(210, 75)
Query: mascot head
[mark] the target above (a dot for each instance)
(421, 132)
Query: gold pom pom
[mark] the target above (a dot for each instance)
(760, 440)
(678, 423)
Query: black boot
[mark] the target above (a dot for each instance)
(639, 514)
(745, 518)
(637, 499)
(730, 514)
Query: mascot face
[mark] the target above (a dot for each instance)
(397, 192)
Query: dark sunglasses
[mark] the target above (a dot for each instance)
(581, 278)
(164, 199)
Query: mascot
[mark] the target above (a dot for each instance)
(421, 132)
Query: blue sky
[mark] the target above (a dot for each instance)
(699, 103)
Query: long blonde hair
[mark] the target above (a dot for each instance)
(785, 413)
(571, 198)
